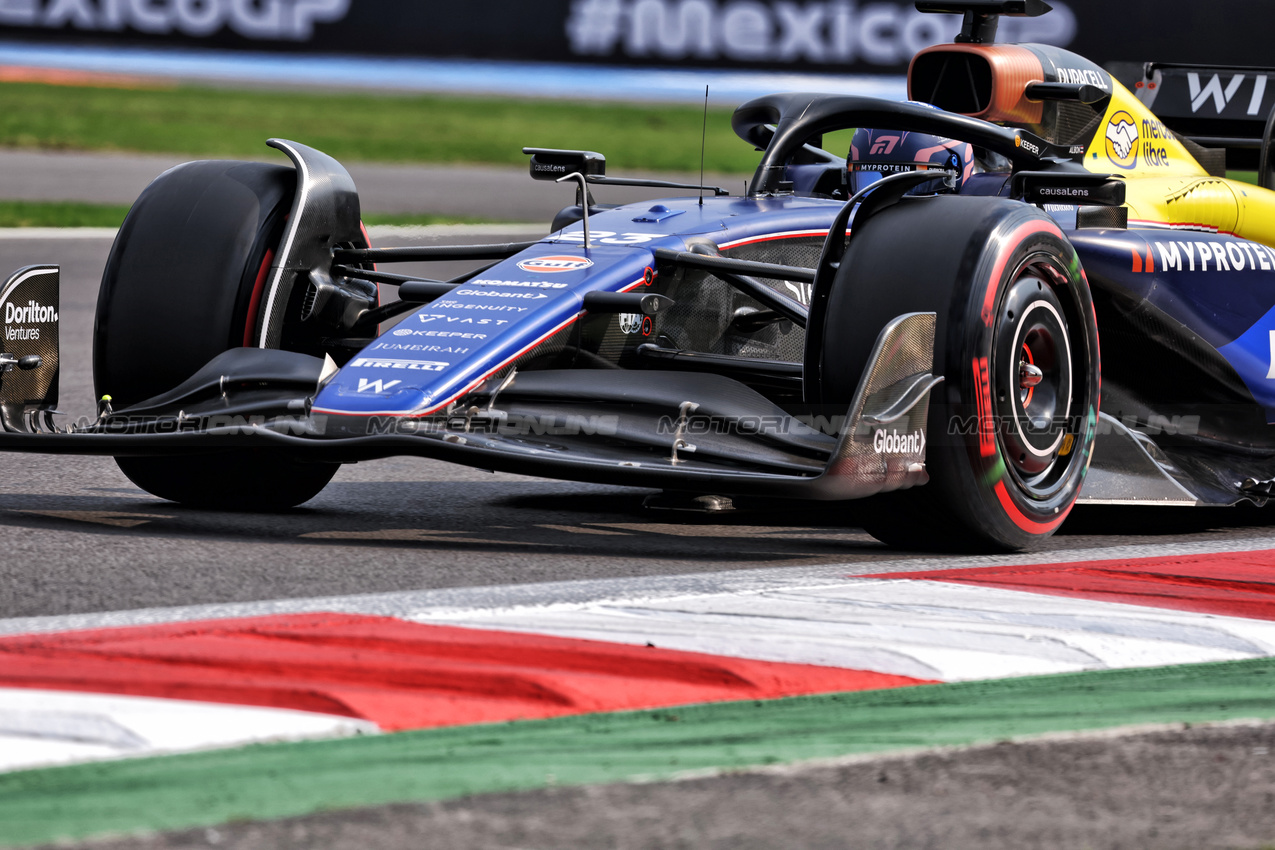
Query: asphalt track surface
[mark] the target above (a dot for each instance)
(1073, 792)
(81, 539)
(493, 193)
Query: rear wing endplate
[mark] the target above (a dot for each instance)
(1215, 106)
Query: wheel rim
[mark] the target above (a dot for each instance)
(1034, 384)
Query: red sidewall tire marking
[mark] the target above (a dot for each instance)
(1017, 238)
(1015, 514)
(254, 303)
(1021, 519)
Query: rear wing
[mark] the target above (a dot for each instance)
(1215, 106)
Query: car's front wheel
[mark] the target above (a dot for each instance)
(1011, 428)
(184, 283)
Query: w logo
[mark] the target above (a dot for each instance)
(1221, 97)
(1200, 95)
(378, 386)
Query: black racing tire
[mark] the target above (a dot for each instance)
(1006, 461)
(182, 284)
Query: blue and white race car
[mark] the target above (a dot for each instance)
(914, 325)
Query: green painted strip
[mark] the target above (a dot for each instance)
(279, 780)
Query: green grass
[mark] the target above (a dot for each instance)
(288, 779)
(60, 214)
(363, 127)
(418, 219)
(69, 214)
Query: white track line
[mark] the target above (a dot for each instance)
(454, 601)
(924, 629)
(19, 234)
(40, 728)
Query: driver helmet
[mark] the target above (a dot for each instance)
(879, 153)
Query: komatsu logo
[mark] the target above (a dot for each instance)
(895, 443)
(33, 313)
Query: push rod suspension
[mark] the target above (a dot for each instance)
(430, 252)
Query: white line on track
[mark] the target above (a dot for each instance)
(455, 601)
(18, 234)
(923, 629)
(39, 728)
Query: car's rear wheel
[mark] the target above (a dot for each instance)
(183, 283)
(1011, 428)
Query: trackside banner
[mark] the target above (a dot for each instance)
(811, 35)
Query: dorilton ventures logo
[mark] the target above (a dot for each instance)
(33, 313)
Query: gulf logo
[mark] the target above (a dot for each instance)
(550, 265)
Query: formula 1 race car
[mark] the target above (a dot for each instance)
(915, 325)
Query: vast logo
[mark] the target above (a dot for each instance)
(551, 265)
(1122, 140)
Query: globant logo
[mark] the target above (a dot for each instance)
(279, 20)
(832, 32)
(895, 443)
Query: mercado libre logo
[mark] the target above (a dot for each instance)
(550, 265)
(1122, 140)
